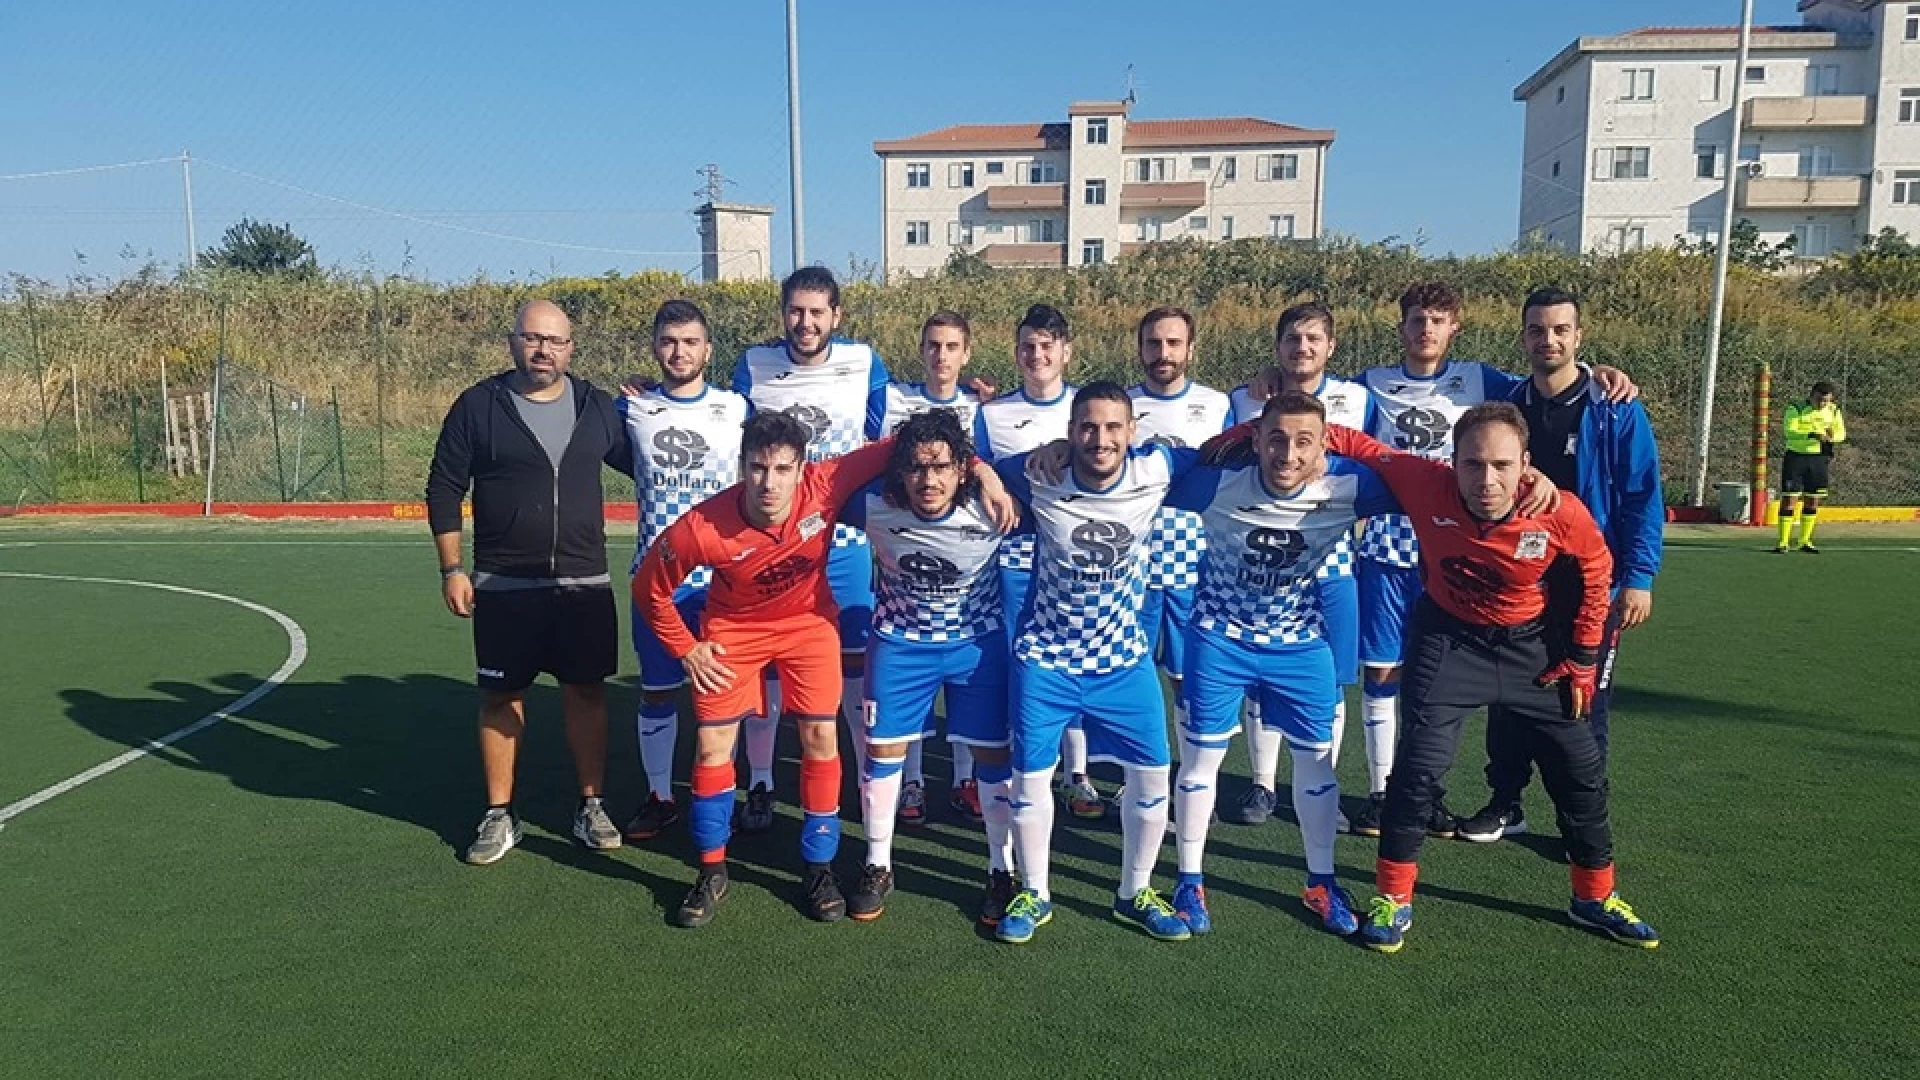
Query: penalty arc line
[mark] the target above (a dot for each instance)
(296, 656)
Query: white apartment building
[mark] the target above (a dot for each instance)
(1094, 187)
(1626, 136)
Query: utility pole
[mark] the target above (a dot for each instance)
(186, 183)
(1703, 437)
(793, 132)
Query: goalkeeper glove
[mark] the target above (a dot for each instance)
(1582, 681)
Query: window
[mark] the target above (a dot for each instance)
(1093, 252)
(919, 234)
(1823, 80)
(994, 228)
(1153, 170)
(1040, 231)
(1816, 161)
(1226, 226)
(996, 168)
(1042, 172)
(1906, 188)
(1097, 131)
(1636, 84)
(1707, 162)
(1280, 226)
(1704, 234)
(959, 234)
(1621, 163)
(960, 174)
(1757, 73)
(919, 174)
(1201, 164)
(1812, 241)
(1913, 23)
(1146, 229)
(1556, 169)
(1276, 167)
(1710, 82)
(1229, 169)
(1096, 193)
(1624, 238)
(1197, 223)
(1910, 105)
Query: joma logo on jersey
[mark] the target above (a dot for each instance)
(813, 418)
(1420, 430)
(1100, 545)
(1532, 545)
(926, 568)
(677, 449)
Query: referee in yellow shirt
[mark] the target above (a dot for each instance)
(1814, 428)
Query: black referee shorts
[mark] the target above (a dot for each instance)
(570, 632)
(1805, 474)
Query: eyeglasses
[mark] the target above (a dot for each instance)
(534, 341)
(920, 468)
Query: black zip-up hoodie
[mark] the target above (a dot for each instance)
(529, 518)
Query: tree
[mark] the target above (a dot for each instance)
(254, 247)
(1745, 248)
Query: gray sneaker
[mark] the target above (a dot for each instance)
(756, 814)
(593, 828)
(498, 833)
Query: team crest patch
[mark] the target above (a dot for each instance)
(1533, 545)
(811, 525)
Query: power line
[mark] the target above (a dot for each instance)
(175, 160)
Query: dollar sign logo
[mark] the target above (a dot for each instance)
(1100, 544)
(1420, 430)
(677, 449)
(929, 568)
(813, 418)
(1274, 549)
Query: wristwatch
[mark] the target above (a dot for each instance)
(448, 571)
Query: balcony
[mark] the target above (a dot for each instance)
(1801, 193)
(1806, 113)
(1024, 254)
(1184, 194)
(1027, 197)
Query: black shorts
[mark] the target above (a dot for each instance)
(570, 633)
(1804, 474)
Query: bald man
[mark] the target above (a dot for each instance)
(529, 444)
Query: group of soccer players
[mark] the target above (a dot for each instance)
(822, 543)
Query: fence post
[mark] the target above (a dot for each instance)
(279, 462)
(339, 441)
(1762, 409)
(213, 432)
(133, 439)
(379, 389)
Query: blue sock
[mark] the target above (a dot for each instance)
(819, 838)
(1322, 879)
(1191, 879)
(992, 774)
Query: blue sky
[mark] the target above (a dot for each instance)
(583, 128)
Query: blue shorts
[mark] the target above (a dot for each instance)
(1387, 594)
(850, 575)
(1124, 712)
(658, 668)
(904, 676)
(1167, 616)
(1340, 608)
(1294, 685)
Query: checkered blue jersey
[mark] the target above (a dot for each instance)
(1188, 418)
(684, 450)
(1090, 564)
(934, 579)
(1016, 424)
(1265, 550)
(1416, 413)
(910, 399)
(1349, 405)
(840, 400)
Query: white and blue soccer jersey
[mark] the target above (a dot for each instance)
(1083, 617)
(839, 400)
(1186, 419)
(1265, 550)
(905, 400)
(1416, 413)
(1349, 405)
(684, 450)
(935, 580)
(1016, 424)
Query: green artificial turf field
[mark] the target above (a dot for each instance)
(280, 894)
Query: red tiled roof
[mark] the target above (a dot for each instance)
(1220, 131)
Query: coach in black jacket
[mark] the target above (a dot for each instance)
(530, 443)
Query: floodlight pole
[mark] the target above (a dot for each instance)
(1703, 437)
(793, 132)
(186, 184)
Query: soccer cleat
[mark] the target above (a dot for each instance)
(1340, 822)
(656, 816)
(1083, 800)
(1441, 824)
(913, 803)
(869, 898)
(1151, 913)
(993, 903)
(1190, 903)
(1496, 819)
(822, 890)
(1615, 919)
(1781, 549)
(1334, 905)
(965, 802)
(1256, 806)
(1386, 925)
(594, 829)
(1366, 820)
(1808, 549)
(1025, 913)
(704, 898)
(497, 835)
(756, 814)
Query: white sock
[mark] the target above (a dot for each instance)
(1195, 793)
(1263, 746)
(962, 762)
(913, 773)
(1382, 722)
(759, 736)
(1143, 826)
(657, 727)
(879, 799)
(996, 806)
(1316, 802)
(1339, 727)
(1033, 827)
(1073, 751)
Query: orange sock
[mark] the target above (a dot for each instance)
(820, 785)
(1592, 884)
(1395, 879)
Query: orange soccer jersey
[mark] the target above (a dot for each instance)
(769, 601)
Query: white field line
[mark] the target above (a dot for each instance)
(296, 656)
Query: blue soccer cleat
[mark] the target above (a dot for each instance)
(1615, 919)
(1148, 911)
(1026, 914)
(1334, 905)
(1190, 904)
(1386, 925)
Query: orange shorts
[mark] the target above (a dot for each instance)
(804, 650)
